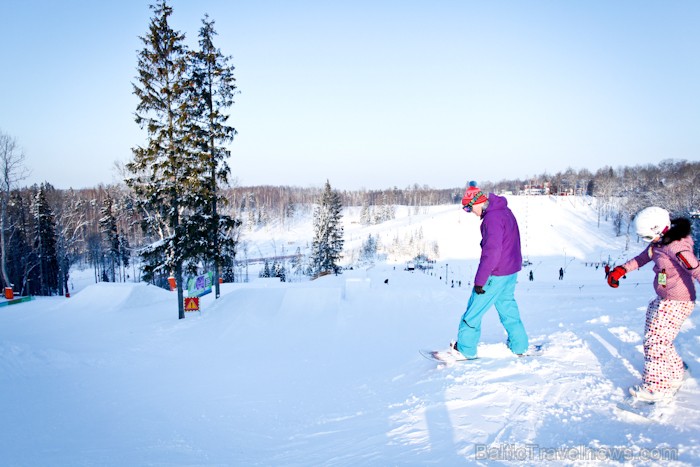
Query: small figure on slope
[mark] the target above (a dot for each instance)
(496, 276)
(675, 265)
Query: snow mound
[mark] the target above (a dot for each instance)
(120, 296)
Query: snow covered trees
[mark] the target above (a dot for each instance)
(165, 175)
(11, 171)
(368, 251)
(212, 89)
(118, 254)
(174, 177)
(328, 233)
(45, 243)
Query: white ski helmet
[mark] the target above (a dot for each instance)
(652, 222)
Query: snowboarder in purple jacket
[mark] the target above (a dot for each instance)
(494, 283)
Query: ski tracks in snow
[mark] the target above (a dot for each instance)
(504, 400)
(563, 399)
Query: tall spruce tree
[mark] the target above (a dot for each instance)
(45, 243)
(108, 226)
(328, 233)
(213, 88)
(23, 261)
(124, 254)
(166, 175)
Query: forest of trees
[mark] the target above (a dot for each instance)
(176, 212)
(48, 230)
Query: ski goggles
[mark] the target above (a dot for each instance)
(468, 207)
(652, 237)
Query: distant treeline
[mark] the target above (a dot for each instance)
(48, 230)
(622, 192)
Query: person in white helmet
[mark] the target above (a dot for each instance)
(676, 266)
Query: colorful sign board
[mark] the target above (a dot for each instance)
(200, 285)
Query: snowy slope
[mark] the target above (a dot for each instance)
(328, 372)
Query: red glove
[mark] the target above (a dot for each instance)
(615, 275)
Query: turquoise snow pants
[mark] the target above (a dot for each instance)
(499, 292)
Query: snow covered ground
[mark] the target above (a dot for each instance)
(327, 372)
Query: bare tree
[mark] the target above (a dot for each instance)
(12, 171)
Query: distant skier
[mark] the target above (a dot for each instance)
(561, 273)
(494, 283)
(532, 276)
(675, 265)
(607, 270)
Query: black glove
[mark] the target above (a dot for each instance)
(479, 289)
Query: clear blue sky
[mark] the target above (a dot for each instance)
(370, 94)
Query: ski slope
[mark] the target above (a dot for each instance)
(327, 372)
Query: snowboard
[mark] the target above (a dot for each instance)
(651, 411)
(434, 355)
(532, 351)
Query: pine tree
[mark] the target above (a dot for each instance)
(265, 273)
(23, 261)
(328, 233)
(124, 252)
(369, 248)
(108, 224)
(297, 262)
(212, 91)
(280, 271)
(166, 176)
(45, 243)
(365, 215)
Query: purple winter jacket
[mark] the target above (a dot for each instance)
(500, 241)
